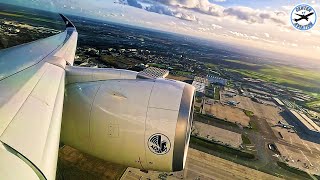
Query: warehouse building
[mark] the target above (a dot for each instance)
(308, 125)
(217, 80)
(200, 85)
(278, 101)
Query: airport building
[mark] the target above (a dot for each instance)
(306, 123)
(200, 84)
(278, 101)
(216, 80)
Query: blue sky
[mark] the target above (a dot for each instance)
(257, 23)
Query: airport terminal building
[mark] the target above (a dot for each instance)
(308, 126)
(200, 85)
(217, 80)
(279, 102)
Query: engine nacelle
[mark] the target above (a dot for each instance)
(142, 123)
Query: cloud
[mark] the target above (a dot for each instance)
(284, 29)
(255, 16)
(315, 32)
(202, 6)
(244, 35)
(134, 3)
(182, 9)
(215, 26)
(287, 8)
(188, 17)
(160, 10)
(246, 14)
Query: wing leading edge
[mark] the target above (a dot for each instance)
(32, 82)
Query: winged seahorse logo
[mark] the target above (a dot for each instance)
(159, 144)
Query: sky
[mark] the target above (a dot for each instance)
(254, 24)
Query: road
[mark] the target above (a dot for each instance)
(203, 166)
(260, 138)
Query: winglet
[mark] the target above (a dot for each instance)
(67, 21)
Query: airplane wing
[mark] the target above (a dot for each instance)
(43, 97)
(309, 14)
(296, 20)
(32, 86)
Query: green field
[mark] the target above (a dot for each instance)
(241, 62)
(294, 170)
(202, 117)
(157, 65)
(248, 113)
(245, 139)
(183, 73)
(220, 148)
(314, 104)
(210, 65)
(10, 14)
(304, 79)
(21, 15)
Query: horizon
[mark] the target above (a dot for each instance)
(241, 40)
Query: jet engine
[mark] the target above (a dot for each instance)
(116, 116)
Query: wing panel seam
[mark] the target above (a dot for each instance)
(24, 102)
(53, 110)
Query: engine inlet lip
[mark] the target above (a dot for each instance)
(183, 129)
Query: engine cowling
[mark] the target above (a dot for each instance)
(142, 123)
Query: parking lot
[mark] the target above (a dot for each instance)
(227, 113)
(305, 160)
(260, 110)
(214, 133)
(292, 138)
(295, 150)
